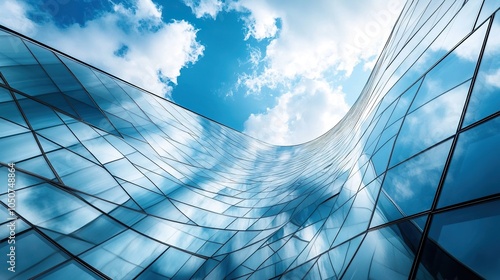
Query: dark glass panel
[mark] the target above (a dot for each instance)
(473, 171)
(34, 255)
(386, 253)
(463, 244)
(14, 52)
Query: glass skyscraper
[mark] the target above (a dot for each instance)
(101, 179)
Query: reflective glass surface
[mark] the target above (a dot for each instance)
(462, 244)
(467, 179)
(485, 98)
(114, 182)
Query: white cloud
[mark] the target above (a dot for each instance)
(154, 50)
(316, 38)
(493, 79)
(260, 20)
(204, 8)
(304, 113)
(314, 44)
(13, 14)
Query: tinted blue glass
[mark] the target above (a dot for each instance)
(167, 265)
(38, 115)
(30, 79)
(10, 128)
(8, 108)
(412, 184)
(38, 255)
(386, 253)
(150, 190)
(37, 165)
(454, 69)
(125, 255)
(67, 214)
(72, 270)
(404, 102)
(341, 255)
(14, 52)
(431, 123)
(99, 230)
(463, 243)
(485, 98)
(381, 157)
(473, 171)
(18, 147)
(489, 7)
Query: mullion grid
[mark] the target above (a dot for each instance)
(446, 166)
(418, 256)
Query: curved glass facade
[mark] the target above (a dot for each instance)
(105, 180)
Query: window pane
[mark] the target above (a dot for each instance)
(124, 256)
(409, 188)
(18, 147)
(463, 244)
(71, 270)
(430, 124)
(34, 255)
(485, 98)
(473, 171)
(386, 253)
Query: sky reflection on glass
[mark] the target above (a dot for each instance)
(115, 181)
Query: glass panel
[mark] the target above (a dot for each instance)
(430, 124)
(386, 253)
(22, 179)
(473, 171)
(18, 147)
(92, 180)
(60, 135)
(71, 270)
(66, 162)
(30, 79)
(13, 52)
(37, 165)
(341, 256)
(65, 214)
(43, 55)
(73, 245)
(485, 98)
(489, 7)
(99, 230)
(38, 115)
(9, 128)
(124, 256)
(103, 151)
(9, 109)
(33, 254)
(167, 265)
(17, 226)
(5, 95)
(463, 244)
(381, 157)
(410, 187)
(404, 102)
(359, 214)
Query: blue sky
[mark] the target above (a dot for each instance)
(282, 71)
